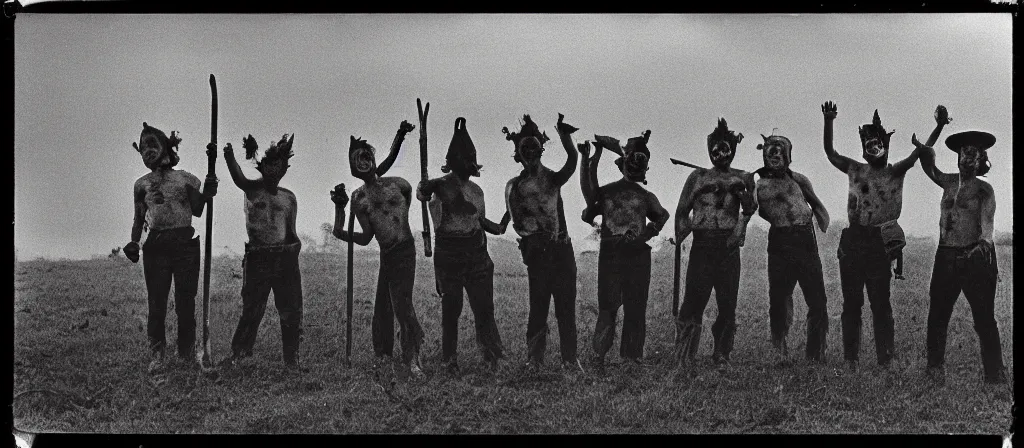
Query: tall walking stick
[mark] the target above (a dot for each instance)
(348, 300)
(423, 174)
(205, 357)
(675, 274)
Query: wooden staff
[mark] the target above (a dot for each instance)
(348, 300)
(423, 174)
(675, 275)
(205, 356)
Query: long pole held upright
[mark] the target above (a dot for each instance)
(675, 275)
(348, 300)
(205, 358)
(423, 174)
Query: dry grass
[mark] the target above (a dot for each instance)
(69, 376)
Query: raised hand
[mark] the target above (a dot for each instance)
(565, 128)
(584, 148)
(228, 150)
(830, 110)
(338, 196)
(942, 115)
(405, 127)
(923, 149)
(131, 251)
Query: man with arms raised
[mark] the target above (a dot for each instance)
(461, 260)
(715, 197)
(534, 199)
(966, 257)
(271, 260)
(382, 207)
(787, 201)
(166, 199)
(868, 245)
(632, 216)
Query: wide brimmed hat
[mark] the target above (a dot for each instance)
(981, 139)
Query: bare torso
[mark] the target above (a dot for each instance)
(715, 204)
(961, 211)
(385, 205)
(626, 207)
(533, 203)
(268, 216)
(876, 194)
(456, 207)
(166, 197)
(781, 202)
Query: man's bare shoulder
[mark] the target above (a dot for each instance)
(800, 178)
(738, 172)
(287, 194)
(398, 181)
(188, 177)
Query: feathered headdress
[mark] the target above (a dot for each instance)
(527, 128)
(875, 130)
(277, 150)
(722, 133)
(638, 143)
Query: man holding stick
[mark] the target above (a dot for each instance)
(461, 260)
(271, 261)
(534, 199)
(966, 257)
(381, 205)
(632, 216)
(166, 199)
(721, 199)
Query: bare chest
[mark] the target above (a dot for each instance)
(960, 198)
(264, 204)
(779, 192)
(165, 191)
(716, 192)
(382, 200)
(460, 200)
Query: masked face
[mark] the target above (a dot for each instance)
(273, 170)
(634, 165)
(362, 162)
(530, 150)
(875, 151)
(721, 154)
(969, 159)
(775, 156)
(152, 151)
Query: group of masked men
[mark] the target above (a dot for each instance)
(714, 207)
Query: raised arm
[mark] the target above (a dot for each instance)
(396, 145)
(235, 171)
(565, 131)
(817, 208)
(927, 154)
(842, 162)
(684, 208)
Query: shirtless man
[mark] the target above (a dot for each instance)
(271, 260)
(787, 201)
(966, 257)
(461, 260)
(868, 245)
(382, 207)
(632, 216)
(715, 197)
(534, 199)
(166, 199)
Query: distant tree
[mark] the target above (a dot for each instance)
(327, 231)
(308, 243)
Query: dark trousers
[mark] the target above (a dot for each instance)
(394, 302)
(955, 271)
(711, 266)
(551, 267)
(792, 258)
(171, 255)
(864, 264)
(623, 280)
(266, 269)
(463, 263)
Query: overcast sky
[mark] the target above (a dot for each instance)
(85, 83)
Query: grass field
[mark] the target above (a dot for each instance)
(80, 357)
